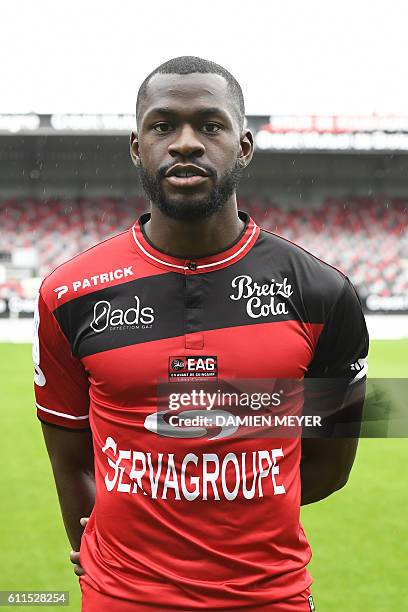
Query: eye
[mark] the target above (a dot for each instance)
(163, 127)
(211, 128)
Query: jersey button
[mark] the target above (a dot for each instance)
(192, 265)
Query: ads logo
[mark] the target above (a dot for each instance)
(192, 367)
(119, 319)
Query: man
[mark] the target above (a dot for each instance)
(189, 517)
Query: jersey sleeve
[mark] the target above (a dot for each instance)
(342, 348)
(339, 362)
(61, 384)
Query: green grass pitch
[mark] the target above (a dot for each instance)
(358, 535)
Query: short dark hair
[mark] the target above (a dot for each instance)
(189, 64)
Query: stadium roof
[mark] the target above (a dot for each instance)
(372, 133)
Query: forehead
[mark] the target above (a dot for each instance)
(176, 92)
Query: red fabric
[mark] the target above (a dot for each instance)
(184, 523)
(94, 601)
(61, 389)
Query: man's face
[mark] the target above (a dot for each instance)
(190, 149)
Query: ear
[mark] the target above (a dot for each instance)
(246, 148)
(134, 149)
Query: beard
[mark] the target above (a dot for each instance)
(196, 208)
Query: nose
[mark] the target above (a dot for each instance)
(186, 144)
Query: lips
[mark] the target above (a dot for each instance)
(186, 171)
(186, 175)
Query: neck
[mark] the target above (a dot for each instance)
(196, 238)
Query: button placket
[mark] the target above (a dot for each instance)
(193, 308)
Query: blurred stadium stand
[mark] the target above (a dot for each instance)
(365, 238)
(67, 183)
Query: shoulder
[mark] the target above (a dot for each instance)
(102, 263)
(313, 277)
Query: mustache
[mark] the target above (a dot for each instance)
(162, 171)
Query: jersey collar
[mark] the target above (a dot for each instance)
(196, 265)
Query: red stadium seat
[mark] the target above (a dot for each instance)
(365, 238)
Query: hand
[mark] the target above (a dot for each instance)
(74, 555)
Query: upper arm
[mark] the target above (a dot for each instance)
(61, 383)
(335, 386)
(335, 380)
(69, 449)
(338, 455)
(342, 347)
(62, 394)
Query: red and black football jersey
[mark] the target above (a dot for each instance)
(181, 517)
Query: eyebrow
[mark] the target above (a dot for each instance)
(202, 112)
